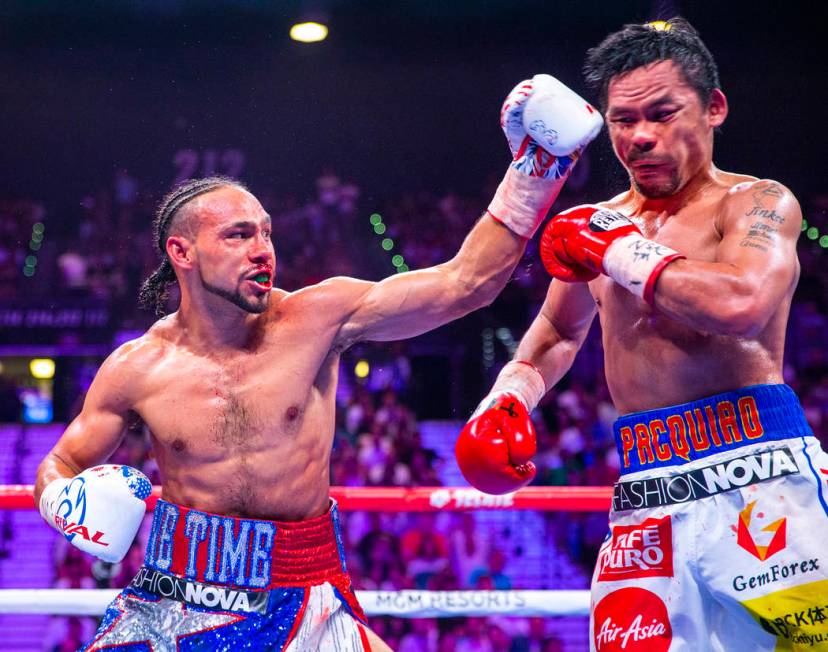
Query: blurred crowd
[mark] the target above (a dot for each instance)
(105, 249)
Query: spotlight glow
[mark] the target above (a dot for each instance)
(42, 368)
(362, 369)
(309, 32)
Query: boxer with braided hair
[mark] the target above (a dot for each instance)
(154, 290)
(238, 390)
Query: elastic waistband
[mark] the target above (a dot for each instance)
(245, 552)
(692, 431)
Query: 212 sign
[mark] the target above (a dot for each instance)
(190, 163)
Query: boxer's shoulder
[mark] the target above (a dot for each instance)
(330, 299)
(742, 185)
(121, 378)
(763, 199)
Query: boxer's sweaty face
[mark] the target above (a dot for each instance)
(658, 128)
(235, 255)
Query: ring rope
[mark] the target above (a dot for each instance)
(417, 499)
(403, 604)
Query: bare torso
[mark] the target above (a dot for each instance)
(243, 432)
(652, 361)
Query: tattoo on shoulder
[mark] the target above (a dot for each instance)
(765, 196)
(760, 236)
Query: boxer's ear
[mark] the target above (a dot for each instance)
(180, 251)
(716, 108)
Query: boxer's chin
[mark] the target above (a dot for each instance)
(657, 186)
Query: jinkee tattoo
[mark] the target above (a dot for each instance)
(770, 193)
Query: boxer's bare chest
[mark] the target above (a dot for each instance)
(208, 406)
(641, 345)
(691, 230)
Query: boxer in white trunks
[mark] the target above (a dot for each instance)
(719, 520)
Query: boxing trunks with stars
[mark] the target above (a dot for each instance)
(212, 582)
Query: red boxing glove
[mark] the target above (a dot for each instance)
(574, 242)
(585, 241)
(495, 448)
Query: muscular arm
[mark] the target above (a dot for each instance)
(408, 304)
(755, 266)
(559, 330)
(96, 432)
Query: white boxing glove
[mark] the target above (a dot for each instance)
(563, 124)
(558, 119)
(99, 510)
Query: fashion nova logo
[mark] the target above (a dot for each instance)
(198, 594)
(704, 482)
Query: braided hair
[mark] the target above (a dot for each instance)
(155, 289)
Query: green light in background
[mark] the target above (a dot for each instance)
(34, 246)
(31, 261)
(397, 260)
(823, 242)
(376, 218)
(37, 237)
(38, 228)
(379, 229)
(402, 268)
(387, 244)
(28, 271)
(812, 233)
(804, 225)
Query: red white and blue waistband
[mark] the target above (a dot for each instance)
(246, 553)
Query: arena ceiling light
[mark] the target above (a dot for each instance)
(362, 369)
(42, 368)
(309, 32)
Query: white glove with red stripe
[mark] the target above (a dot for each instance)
(585, 241)
(547, 126)
(99, 510)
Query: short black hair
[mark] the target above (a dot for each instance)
(634, 46)
(155, 289)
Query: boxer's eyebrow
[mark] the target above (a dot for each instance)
(238, 224)
(659, 101)
(667, 99)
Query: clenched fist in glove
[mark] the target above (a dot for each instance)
(99, 510)
(495, 448)
(585, 241)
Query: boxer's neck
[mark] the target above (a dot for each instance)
(672, 204)
(209, 326)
